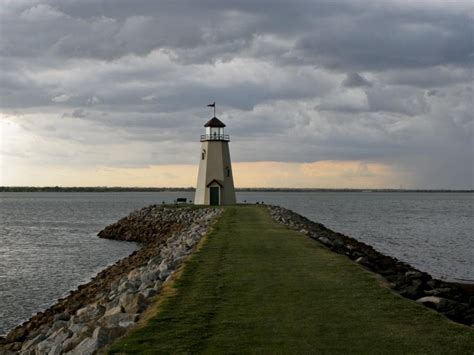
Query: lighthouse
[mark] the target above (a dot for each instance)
(215, 184)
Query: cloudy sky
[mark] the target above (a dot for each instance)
(322, 93)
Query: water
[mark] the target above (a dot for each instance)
(48, 242)
(48, 245)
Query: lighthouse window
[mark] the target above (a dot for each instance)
(203, 154)
(227, 170)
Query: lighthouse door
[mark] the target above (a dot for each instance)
(214, 195)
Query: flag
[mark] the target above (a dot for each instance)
(212, 105)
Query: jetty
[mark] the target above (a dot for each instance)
(248, 279)
(257, 287)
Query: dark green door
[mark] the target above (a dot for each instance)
(214, 196)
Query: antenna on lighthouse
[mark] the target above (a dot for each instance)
(213, 105)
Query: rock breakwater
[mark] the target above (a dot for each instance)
(102, 310)
(455, 301)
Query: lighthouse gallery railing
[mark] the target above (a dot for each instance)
(215, 137)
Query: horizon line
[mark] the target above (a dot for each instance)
(190, 188)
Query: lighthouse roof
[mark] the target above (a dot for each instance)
(214, 122)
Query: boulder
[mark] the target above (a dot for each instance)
(126, 287)
(149, 292)
(132, 302)
(76, 327)
(89, 313)
(57, 325)
(471, 302)
(135, 273)
(56, 349)
(438, 291)
(44, 347)
(179, 252)
(105, 335)
(113, 310)
(150, 276)
(431, 301)
(362, 260)
(62, 316)
(325, 241)
(88, 346)
(413, 290)
(16, 335)
(164, 270)
(10, 347)
(190, 241)
(414, 274)
(32, 342)
(120, 319)
(60, 335)
(72, 342)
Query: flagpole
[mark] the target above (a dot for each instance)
(214, 109)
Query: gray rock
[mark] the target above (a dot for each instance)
(88, 346)
(132, 302)
(105, 335)
(438, 291)
(150, 276)
(164, 270)
(133, 274)
(57, 325)
(362, 260)
(127, 287)
(325, 241)
(414, 275)
(149, 292)
(76, 327)
(72, 342)
(156, 260)
(89, 313)
(32, 342)
(179, 252)
(338, 243)
(56, 349)
(60, 335)
(44, 347)
(432, 301)
(113, 310)
(119, 319)
(62, 316)
(190, 241)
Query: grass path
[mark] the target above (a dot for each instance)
(257, 287)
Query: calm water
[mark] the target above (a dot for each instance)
(48, 242)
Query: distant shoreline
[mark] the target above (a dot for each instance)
(192, 189)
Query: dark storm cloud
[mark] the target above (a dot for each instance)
(381, 81)
(355, 80)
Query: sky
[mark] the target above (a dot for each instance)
(318, 94)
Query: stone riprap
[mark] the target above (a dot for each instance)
(102, 310)
(455, 301)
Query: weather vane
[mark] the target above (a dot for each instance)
(213, 105)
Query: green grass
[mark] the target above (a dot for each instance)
(257, 287)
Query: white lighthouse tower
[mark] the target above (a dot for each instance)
(215, 184)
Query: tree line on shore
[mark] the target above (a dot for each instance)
(191, 189)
